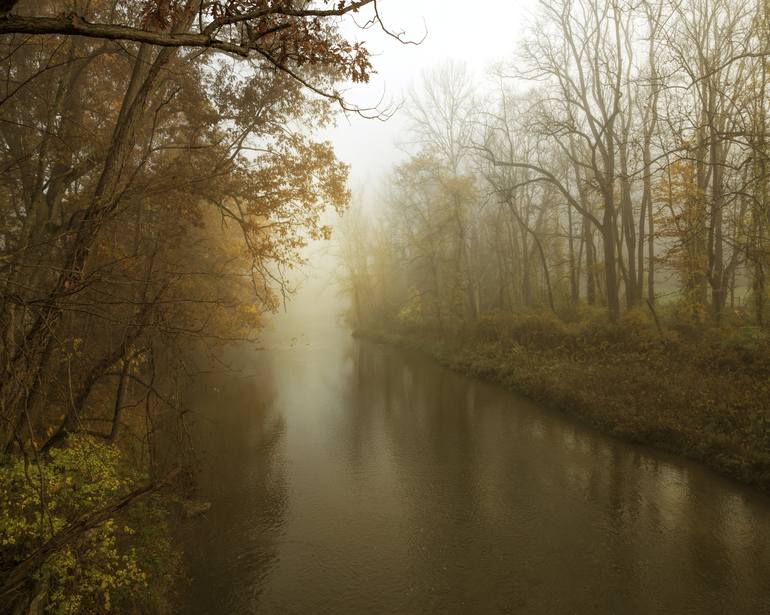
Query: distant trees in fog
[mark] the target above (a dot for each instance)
(620, 158)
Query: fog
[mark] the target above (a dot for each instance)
(478, 35)
(436, 31)
(388, 306)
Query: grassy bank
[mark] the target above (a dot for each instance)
(706, 397)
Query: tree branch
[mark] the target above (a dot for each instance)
(22, 571)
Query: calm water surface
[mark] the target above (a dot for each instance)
(350, 477)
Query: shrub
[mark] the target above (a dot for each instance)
(107, 568)
(536, 331)
(632, 330)
(746, 349)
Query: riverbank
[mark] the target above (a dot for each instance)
(707, 399)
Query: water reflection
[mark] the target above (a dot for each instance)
(349, 477)
(239, 439)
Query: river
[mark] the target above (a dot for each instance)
(351, 477)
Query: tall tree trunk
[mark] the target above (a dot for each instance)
(590, 262)
(609, 230)
(573, 273)
(29, 361)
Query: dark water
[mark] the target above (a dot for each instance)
(349, 477)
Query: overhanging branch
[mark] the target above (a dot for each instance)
(74, 25)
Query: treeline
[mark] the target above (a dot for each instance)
(157, 181)
(618, 160)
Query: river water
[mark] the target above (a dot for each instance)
(351, 477)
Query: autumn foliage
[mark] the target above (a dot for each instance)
(160, 177)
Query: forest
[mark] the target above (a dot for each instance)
(589, 224)
(586, 222)
(157, 183)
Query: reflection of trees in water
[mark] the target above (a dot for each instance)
(466, 494)
(423, 417)
(499, 499)
(231, 549)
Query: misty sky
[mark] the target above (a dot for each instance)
(478, 33)
(455, 30)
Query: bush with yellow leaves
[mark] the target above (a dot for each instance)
(107, 568)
